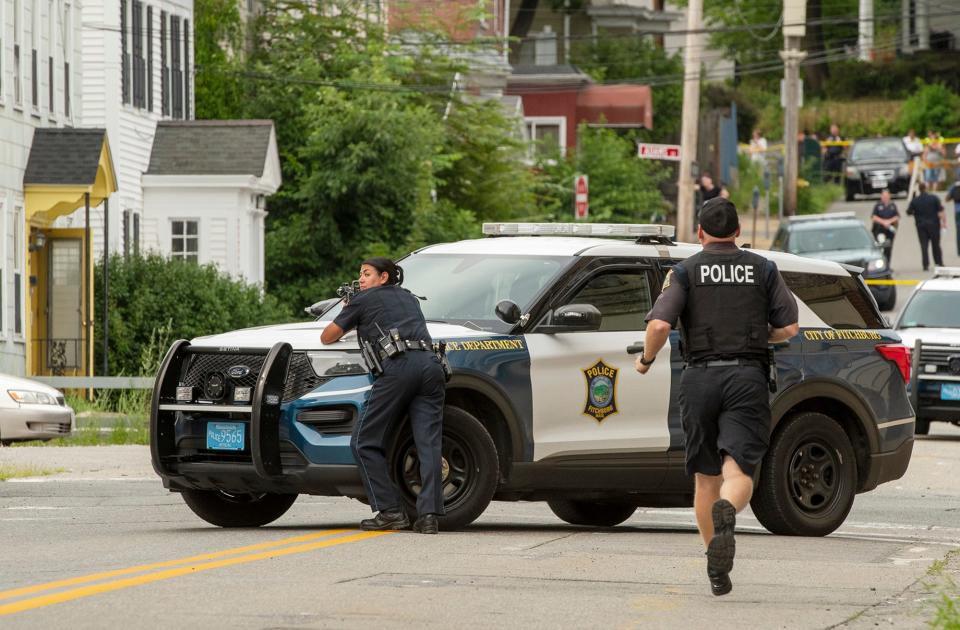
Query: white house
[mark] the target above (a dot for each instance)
(48, 168)
(204, 193)
(137, 70)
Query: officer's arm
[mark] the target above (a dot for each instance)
(658, 331)
(332, 333)
(784, 313)
(783, 334)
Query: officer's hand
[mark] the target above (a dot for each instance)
(643, 369)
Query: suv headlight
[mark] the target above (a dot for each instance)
(29, 397)
(903, 171)
(878, 264)
(330, 363)
(852, 172)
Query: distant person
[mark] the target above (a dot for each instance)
(709, 190)
(933, 156)
(833, 156)
(885, 219)
(758, 147)
(954, 195)
(927, 211)
(913, 143)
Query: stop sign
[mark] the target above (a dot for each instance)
(581, 205)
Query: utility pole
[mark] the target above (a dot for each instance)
(922, 17)
(794, 28)
(690, 120)
(865, 38)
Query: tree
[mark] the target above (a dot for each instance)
(932, 107)
(217, 48)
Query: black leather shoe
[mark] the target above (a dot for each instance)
(722, 546)
(426, 524)
(720, 583)
(386, 520)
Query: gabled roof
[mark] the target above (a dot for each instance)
(210, 147)
(64, 156)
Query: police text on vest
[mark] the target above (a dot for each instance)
(726, 273)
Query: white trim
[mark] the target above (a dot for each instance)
(560, 121)
(342, 392)
(19, 258)
(937, 377)
(4, 268)
(895, 423)
(200, 181)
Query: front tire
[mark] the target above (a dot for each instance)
(237, 510)
(921, 427)
(850, 194)
(470, 473)
(592, 513)
(808, 479)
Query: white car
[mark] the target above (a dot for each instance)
(930, 324)
(32, 411)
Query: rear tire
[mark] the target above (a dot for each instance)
(592, 513)
(808, 479)
(889, 303)
(471, 473)
(237, 510)
(922, 427)
(849, 194)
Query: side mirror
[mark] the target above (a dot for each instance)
(573, 318)
(508, 311)
(321, 307)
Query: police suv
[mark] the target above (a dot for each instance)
(930, 325)
(544, 403)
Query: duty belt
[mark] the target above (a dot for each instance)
(416, 346)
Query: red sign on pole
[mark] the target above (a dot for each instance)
(649, 151)
(581, 191)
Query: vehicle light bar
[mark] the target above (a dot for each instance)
(946, 272)
(824, 217)
(623, 230)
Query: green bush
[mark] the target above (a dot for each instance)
(895, 79)
(932, 107)
(154, 300)
(816, 198)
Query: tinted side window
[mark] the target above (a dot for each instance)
(780, 240)
(840, 301)
(622, 297)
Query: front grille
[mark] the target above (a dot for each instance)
(301, 378)
(938, 355)
(884, 174)
(201, 364)
(62, 428)
(336, 421)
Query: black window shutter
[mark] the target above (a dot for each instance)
(150, 58)
(164, 69)
(186, 69)
(124, 55)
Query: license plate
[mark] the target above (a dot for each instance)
(950, 391)
(878, 182)
(225, 436)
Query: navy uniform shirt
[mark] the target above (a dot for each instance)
(887, 211)
(388, 306)
(925, 208)
(782, 307)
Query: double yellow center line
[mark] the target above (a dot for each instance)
(115, 579)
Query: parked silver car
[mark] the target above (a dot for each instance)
(32, 411)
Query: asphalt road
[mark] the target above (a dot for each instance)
(103, 545)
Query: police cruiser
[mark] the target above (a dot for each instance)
(930, 325)
(544, 403)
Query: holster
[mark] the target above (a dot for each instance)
(772, 370)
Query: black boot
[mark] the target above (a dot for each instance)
(722, 547)
(426, 524)
(393, 519)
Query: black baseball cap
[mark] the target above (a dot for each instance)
(718, 217)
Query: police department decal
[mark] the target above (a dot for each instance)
(601, 391)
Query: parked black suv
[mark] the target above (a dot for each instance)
(876, 164)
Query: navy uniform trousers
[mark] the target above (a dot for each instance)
(411, 384)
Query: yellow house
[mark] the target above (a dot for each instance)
(68, 169)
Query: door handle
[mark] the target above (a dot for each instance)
(635, 348)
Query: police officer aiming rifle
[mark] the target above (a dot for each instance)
(410, 380)
(731, 304)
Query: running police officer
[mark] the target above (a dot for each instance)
(731, 304)
(389, 319)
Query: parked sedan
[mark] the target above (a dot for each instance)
(32, 411)
(876, 164)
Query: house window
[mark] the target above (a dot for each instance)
(67, 56)
(186, 69)
(35, 56)
(3, 255)
(124, 54)
(17, 68)
(164, 69)
(52, 50)
(3, 31)
(17, 271)
(150, 58)
(548, 134)
(185, 240)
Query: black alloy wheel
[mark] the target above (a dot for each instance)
(470, 469)
(808, 478)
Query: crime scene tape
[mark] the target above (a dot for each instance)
(889, 282)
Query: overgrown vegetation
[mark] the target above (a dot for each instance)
(10, 471)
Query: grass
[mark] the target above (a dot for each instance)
(947, 614)
(9, 471)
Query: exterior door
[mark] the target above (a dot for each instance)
(587, 396)
(64, 349)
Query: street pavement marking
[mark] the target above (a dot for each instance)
(106, 587)
(36, 588)
(885, 282)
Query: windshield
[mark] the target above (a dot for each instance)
(826, 240)
(465, 288)
(932, 309)
(889, 149)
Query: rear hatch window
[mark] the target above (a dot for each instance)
(840, 301)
